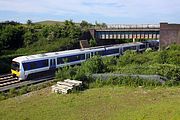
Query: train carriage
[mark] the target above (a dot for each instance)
(32, 66)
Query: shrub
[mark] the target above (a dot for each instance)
(124, 81)
(2, 96)
(23, 90)
(12, 92)
(92, 42)
(94, 65)
(62, 73)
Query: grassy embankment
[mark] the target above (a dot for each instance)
(98, 103)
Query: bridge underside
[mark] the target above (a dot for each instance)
(113, 36)
(110, 35)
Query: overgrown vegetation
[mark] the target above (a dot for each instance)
(165, 63)
(33, 38)
(148, 63)
(23, 90)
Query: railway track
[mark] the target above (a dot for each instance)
(7, 79)
(7, 82)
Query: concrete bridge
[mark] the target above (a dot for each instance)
(125, 31)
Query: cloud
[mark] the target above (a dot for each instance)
(106, 8)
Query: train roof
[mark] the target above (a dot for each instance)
(69, 52)
(47, 55)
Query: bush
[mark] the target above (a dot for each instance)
(169, 71)
(23, 90)
(124, 81)
(12, 92)
(2, 96)
(94, 65)
(92, 42)
(171, 83)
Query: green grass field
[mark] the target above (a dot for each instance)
(118, 103)
(50, 22)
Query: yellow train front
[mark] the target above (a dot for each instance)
(15, 69)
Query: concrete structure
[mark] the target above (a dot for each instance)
(67, 86)
(169, 34)
(84, 44)
(124, 31)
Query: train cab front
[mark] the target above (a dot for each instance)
(15, 69)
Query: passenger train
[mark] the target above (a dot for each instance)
(32, 66)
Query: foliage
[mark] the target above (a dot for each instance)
(71, 73)
(29, 22)
(29, 38)
(125, 81)
(85, 25)
(12, 92)
(16, 36)
(131, 62)
(23, 90)
(11, 37)
(35, 38)
(100, 25)
(94, 65)
(163, 57)
(92, 42)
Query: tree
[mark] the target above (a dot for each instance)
(71, 30)
(29, 38)
(104, 25)
(11, 37)
(94, 65)
(84, 24)
(29, 22)
(92, 42)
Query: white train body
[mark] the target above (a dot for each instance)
(35, 65)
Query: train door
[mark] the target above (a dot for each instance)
(52, 64)
(120, 51)
(92, 54)
(87, 56)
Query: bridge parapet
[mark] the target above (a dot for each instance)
(133, 26)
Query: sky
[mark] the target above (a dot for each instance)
(107, 11)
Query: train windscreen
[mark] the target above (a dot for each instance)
(15, 66)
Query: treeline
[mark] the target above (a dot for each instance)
(37, 37)
(14, 35)
(32, 38)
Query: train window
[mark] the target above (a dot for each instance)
(82, 56)
(87, 56)
(33, 65)
(15, 66)
(92, 54)
(101, 53)
(44, 63)
(70, 58)
(76, 57)
(142, 46)
(60, 61)
(129, 48)
(25, 66)
(112, 51)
